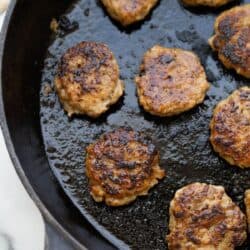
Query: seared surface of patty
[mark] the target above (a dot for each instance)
(230, 128)
(87, 79)
(210, 3)
(128, 11)
(247, 204)
(171, 81)
(203, 217)
(232, 39)
(122, 165)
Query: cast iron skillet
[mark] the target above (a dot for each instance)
(41, 138)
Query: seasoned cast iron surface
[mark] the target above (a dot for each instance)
(185, 151)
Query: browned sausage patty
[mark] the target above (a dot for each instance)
(210, 3)
(122, 165)
(87, 79)
(230, 128)
(232, 39)
(247, 204)
(171, 81)
(203, 217)
(128, 11)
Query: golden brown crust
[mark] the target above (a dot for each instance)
(122, 165)
(203, 217)
(247, 204)
(87, 80)
(128, 11)
(232, 39)
(209, 3)
(171, 81)
(230, 128)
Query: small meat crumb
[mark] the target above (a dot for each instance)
(47, 89)
(54, 25)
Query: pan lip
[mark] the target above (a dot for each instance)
(10, 147)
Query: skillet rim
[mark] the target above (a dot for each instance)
(47, 216)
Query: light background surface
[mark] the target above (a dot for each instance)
(21, 224)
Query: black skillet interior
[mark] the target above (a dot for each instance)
(182, 140)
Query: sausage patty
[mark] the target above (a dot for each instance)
(230, 128)
(209, 3)
(171, 81)
(232, 39)
(247, 204)
(203, 217)
(128, 11)
(87, 79)
(122, 165)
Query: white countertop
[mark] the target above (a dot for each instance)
(21, 224)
